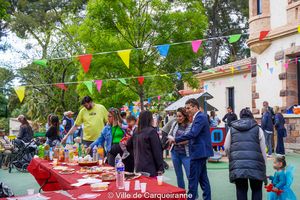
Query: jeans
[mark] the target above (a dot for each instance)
(179, 160)
(280, 144)
(242, 189)
(268, 138)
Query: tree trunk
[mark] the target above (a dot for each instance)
(141, 95)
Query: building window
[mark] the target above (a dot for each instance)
(230, 97)
(259, 7)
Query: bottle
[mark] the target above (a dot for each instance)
(41, 151)
(56, 151)
(120, 179)
(61, 157)
(67, 155)
(83, 151)
(71, 155)
(79, 150)
(117, 159)
(51, 154)
(95, 157)
(75, 150)
(46, 151)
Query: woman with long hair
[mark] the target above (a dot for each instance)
(281, 131)
(52, 133)
(25, 132)
(180, 152)
(146, 145)
(214, 120)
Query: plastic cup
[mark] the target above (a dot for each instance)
(55, 162)
(30, 191)
(127, 186)
(159, 180)
(137, 185)
(143, 187)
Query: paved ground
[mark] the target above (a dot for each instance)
(218, 174)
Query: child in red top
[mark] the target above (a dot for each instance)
(131, 121)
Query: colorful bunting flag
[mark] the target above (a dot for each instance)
(85, 61)
(164, 75)
(195, 45)
(141, 80)
(271, 70)
(267, 65)
(232, 69)
(286, 65)
(158, 98)
(205, 87)
(149, 100)
(61, 86)
(263, 34)
(299, 29)
(239, 68)
(245, 75)
(249, 67)
(211, 71)
(123, 81)
(20, 91)
(234, 38)
(259, 67)
(276, 63)
(163, 49)
(89, 85)
(42, 62)
(125, 56)
(178, 76)
(98, 84)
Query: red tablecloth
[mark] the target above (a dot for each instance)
(42, 170)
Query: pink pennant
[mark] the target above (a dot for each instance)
(141, 80)
(249, 66)
(158, 98)
(245, 75)
(99, 84)
(85, 61)
(195, 45)
(286, 65)
(61, 86)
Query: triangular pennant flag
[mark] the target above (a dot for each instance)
(141, 80)
(85, 61)
(259, 73)
(98, 84)
(267, 65)
(263, 34)
(125, 56)
(149, 100)
(123, 81)
(205, 87)
(163, 49)
(211, 70)
(61, 86)
(20, 91)
(158, 98)
(179, 76)
(42, 62)
(245, 75)
(89, 85)
(286, 65)
(164, 75)
(232, 69)
(249, 66)
(271, 70)
(234, 38)
(299, 29)
(259, 67)
(239, 68)
(276, 63)
(195, 45)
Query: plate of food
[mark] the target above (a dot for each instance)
(91, 176)
(131, 176)
(60, 168)
(72, 164)
(88, 163)
(108, 177)
(99, 187)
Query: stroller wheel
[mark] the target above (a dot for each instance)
(166, 165)
(24, 167)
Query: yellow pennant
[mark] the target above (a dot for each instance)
(299, 29)
(232, 69)
(125, 56)
(20, 92)
(259, 73)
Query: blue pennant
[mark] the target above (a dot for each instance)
(163, 49)
(178, 75)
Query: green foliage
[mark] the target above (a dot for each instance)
(4, 124)
(127, 24)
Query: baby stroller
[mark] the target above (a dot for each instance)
(23, 153)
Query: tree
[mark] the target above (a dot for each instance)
(226, 18)
(130, 24)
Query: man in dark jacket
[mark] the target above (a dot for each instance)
(267, 127)
(228, 118)
(200, 150)
(245, 147)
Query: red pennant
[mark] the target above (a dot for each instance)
(267, 65)
(85, 61)
(61, 86)
(141, 80)
(249, 66)
(245, 75)
(263, 34)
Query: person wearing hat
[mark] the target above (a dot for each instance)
(6, 148)
(68, 123)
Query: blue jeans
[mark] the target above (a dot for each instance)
(268, 138)
(178, 161)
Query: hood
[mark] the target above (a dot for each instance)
(244, 124)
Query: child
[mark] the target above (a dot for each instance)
(6, 148)
(131, 122)
(281, 180)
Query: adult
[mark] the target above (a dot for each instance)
(267, 127)
(270, 109)
(25, 132)
(93, 117)
(147, 149)
(123, 116)
(245, 147)
(180, 152)
(48, 124)
(200, 149)
(229, 117)
(67, 124)
(110, 138)
(6, 148)
(52, 133)
(214, 119)
(281, 131)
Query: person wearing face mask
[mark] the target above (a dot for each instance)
(93, 117)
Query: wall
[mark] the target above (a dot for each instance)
(242, 92)
(268, 85)
(278, 13)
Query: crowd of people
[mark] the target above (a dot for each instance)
(186, 134)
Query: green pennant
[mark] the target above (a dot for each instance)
(41, 62)
(123, 81)
(234, 38)
(89, 85)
